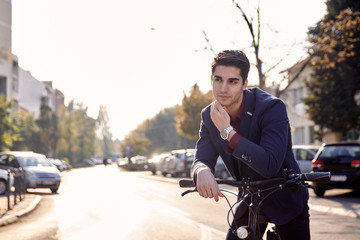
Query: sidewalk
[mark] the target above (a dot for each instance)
(22, 208)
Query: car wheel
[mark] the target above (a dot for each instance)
(164, 174)
(54, 190)
(319, 191)
(2, 187)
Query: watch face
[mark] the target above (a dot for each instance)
(224, 134)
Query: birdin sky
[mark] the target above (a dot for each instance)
(139, 57)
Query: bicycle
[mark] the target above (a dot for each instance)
(252, 191)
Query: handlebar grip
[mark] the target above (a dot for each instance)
(184, 183)
(316, 176)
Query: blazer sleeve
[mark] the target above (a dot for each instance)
(267, 156)
(206, 153)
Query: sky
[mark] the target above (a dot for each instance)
(139, 57)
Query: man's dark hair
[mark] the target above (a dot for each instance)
(233, 58)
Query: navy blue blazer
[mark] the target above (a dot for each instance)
(265, 149)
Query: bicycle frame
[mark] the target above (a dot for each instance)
(251, 189)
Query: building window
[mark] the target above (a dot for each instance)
(299, 136)
(298, 95)
(311, 135)
(3, 85)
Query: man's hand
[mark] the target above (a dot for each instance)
(219, 116)
(206, 184)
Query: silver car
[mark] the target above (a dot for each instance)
(4, 179)
(39, 172)
(304, 154)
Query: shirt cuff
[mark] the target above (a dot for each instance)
(235, 139)
(201, 167)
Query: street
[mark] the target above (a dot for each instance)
(105, 203)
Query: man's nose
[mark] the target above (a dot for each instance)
(224, 87)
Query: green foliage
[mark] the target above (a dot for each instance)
(28, 130)
(334, 7)
(8, 130)
(104, 132)
(188, 115)
(77, 134)
(138, 142)
(48, 134)
(336, 76)
(158, 134)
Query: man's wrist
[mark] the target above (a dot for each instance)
(231, 134)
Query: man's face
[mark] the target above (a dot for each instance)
(227, 86)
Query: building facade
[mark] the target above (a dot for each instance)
(301, 126)
(9, 67)
(19, 85)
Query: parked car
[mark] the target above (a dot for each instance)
(39, 172)
(179, 162)
(57, 163)
(4, 181)
(342, 160)
(154, 164)
(304, 154)
(9, 162)
(220, 169)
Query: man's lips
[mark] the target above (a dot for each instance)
(224, 97)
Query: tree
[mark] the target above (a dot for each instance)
(77, 134)
(8, 130)
(187, 116)
(104, 132)
(28, 130)
(336, 63)
(47, 122)
(137, 143)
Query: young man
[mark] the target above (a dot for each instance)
(250, 130)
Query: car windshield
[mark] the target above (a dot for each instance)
(341, 151)
(32, 161)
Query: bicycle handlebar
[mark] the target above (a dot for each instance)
(313, 176)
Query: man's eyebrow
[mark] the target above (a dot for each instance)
(230, 79)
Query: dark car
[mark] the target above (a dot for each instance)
(10, 162)
(342, 160)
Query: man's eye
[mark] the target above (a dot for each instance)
(234, 81)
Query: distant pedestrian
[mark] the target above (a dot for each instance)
(105, 162)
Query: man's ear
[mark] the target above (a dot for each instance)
(211, 79)
(245, 84)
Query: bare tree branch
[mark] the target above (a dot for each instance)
(208, 43)
(282, 59)
(255, 40)
(295, 77)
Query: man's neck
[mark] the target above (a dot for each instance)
(234, 109)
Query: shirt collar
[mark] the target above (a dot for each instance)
(236, 122)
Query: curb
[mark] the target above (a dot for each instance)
(15, 216)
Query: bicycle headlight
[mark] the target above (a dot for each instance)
(242, 232)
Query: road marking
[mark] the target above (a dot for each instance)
(332, 210)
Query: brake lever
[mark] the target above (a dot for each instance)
(188, 191)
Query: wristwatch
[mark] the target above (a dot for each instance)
(224, 134)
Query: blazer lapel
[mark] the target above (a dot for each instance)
(247, 114)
